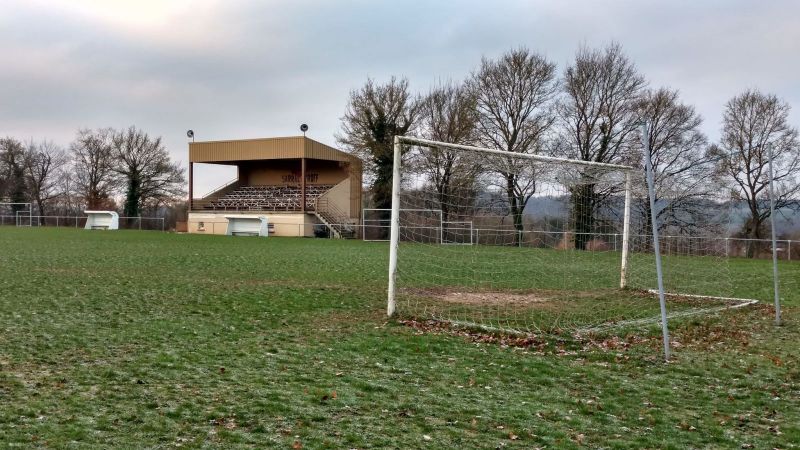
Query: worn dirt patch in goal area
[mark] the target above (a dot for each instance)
(485, 297)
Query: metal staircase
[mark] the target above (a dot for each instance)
(337, 221)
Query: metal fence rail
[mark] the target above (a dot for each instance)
(787, 249)
(125, 223)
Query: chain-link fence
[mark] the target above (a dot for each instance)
(125, 223)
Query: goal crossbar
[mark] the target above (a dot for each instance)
(582, 201)
(394, 235)
(551, 159)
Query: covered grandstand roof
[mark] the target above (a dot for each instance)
(293, 147)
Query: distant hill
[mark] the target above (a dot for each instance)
(787, 221)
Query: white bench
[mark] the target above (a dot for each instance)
(101, 220)
(247, 225)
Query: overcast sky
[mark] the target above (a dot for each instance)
(243, 69)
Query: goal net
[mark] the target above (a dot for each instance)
(376, 223)
(550, 245)
(16, 214)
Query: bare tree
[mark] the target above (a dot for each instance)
(448, 114)
(44, 164)
(93, 160)
(150, 177)
(12, 173)
(375, 114)
(683, 168)
(70, 202)
(598, 118)
(513, 98)
(752, 122)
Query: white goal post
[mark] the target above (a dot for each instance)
(394, 238)
(549, 260)
(21, 215)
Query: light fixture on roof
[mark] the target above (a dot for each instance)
(304, 128)
(190, 135)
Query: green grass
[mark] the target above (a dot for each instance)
(142, 339)
(579, 290)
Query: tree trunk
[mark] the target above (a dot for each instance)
(132, 197)
(93, 199)
(445, 208)
(18, 189)
(515, 208)
(40, 205)
(382, 195)
(754, 246)
(647, 228)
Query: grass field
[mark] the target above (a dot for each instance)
(143, 339)
(580, 289)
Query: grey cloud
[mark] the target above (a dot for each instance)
(246, 69)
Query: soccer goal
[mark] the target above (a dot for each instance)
(458, 233)
(427, 224)
(16, 213)
(557, 245)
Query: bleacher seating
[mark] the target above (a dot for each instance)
(269, 198)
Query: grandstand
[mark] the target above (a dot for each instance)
(301, 185)
(270, 198)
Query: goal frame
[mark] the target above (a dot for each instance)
(471, 229)
(394, 236)
(17, 216)
(628, 173)
(364, 222)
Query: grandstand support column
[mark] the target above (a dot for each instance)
(394, 237)
(303, 184)
(191, 184)
(626, 231)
